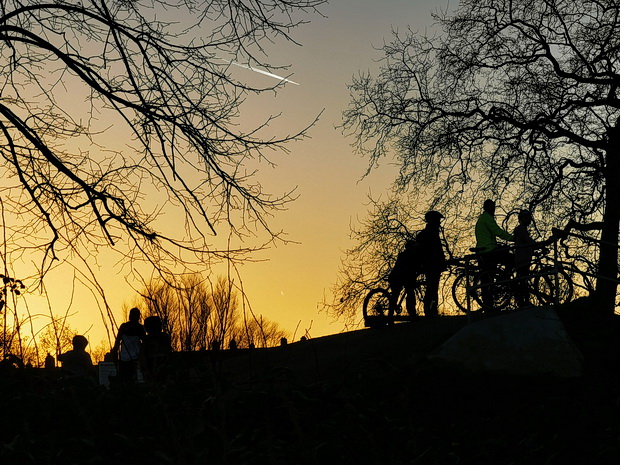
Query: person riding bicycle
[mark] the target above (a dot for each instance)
(490, 253)
(432, 259)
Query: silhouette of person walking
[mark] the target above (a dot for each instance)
(432, 259)
(130, 336)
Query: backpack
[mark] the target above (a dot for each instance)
(408, 264)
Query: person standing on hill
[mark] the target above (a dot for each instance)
(129, 339)
(404, 275)
(432, 260)
(490, 253)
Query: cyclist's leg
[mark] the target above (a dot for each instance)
(410, 299)
(522, 292)
(431, 296)
(487, 264)
(395, 289)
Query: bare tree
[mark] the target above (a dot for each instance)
(114, 113)
(161, 299)
(195, 303)
(258, 332)
(198, 314)
(514, 99)
(378, 240)
(224, 315)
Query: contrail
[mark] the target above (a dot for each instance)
(261, 71)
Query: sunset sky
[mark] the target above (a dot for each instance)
(289, 282)
(333, 195)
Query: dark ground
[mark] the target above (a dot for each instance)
(364, 397)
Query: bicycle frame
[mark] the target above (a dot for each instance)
(506, 284)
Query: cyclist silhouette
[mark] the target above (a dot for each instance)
(422, 255)
(490, 253)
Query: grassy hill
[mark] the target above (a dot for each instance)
(363, 397)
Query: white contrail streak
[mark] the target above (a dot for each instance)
(261, 71)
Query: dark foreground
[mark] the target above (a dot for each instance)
(366, 397)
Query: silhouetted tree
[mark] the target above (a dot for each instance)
(197, 313)
(258, 332)
(114, 112)
(196, 307)
(378, 239)
(513, 99)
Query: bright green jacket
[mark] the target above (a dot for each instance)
(487, 232)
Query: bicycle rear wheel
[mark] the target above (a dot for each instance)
(493, 289)
(543, 289)
(376, 308)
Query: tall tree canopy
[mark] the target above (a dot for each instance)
(515, 99)
(114, 113)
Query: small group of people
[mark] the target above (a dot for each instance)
(491, 254)
(138, 347)
(425, 254)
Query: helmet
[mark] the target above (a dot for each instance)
(432, 215)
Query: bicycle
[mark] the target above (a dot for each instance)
(540, 284)
(378, 311)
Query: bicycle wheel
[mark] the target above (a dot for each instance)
(376, 308)
(493, 290)
(543, 289)
(459, 293)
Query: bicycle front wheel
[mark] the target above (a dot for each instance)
(376, 308)
(459, 293)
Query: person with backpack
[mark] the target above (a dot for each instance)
(432, 260)
(404, 274)
(423, 255)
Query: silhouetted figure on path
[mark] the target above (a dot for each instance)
(129, 340)
(156, 348)
(490, 253)
(432, 259)
(77, 363)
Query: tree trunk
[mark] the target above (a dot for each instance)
(606, 285)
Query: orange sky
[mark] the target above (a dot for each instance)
(290, 284)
